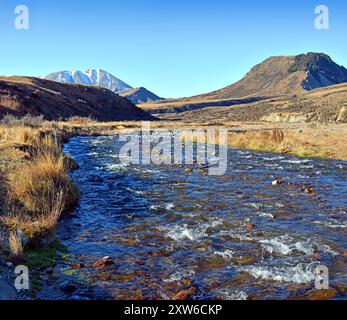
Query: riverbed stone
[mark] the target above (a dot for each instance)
(70, 163)
(68, 287)
(103, 263)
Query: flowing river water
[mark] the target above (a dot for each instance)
(173, 229)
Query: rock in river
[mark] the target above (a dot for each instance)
(103, 263)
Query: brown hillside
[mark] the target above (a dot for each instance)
(53, 100)
(320, 105)
(269, 78)
(274, 77)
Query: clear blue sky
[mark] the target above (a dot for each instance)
(173, 47)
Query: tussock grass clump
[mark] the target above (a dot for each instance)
(82, 121)
(16, 246)
(10, 121)
(38, 192)
(36, 227)
(35, 184)
(19, 135)
(259, 140)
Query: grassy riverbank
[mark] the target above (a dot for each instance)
(35, 188)
(307, 142)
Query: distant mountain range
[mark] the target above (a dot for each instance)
(104, 79)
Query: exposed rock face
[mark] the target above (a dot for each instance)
(320, 69)
(53, 100)
(285, 117)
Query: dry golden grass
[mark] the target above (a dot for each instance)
(16, 246)
(38, 190)
(305, 143)
(35, 184)
(81, 121)
(19, 135)
(39, 226)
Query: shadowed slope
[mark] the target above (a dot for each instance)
(53, 100)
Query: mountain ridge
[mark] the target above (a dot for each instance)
(90, 77)
(27, 95)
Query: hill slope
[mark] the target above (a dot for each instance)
(285, 75)
(327, 104)
(140, 95)
(276, 76)
(53, 100)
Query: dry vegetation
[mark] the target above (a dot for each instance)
(37, 189)
(305, 143)
(308, 141)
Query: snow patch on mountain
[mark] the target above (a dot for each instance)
(90, 77)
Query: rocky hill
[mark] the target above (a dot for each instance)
(285, 75)
(54, 100)
(274, 78)
(140, 95)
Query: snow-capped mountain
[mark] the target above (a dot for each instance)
(91, 77)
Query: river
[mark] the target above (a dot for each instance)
(171, 230)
